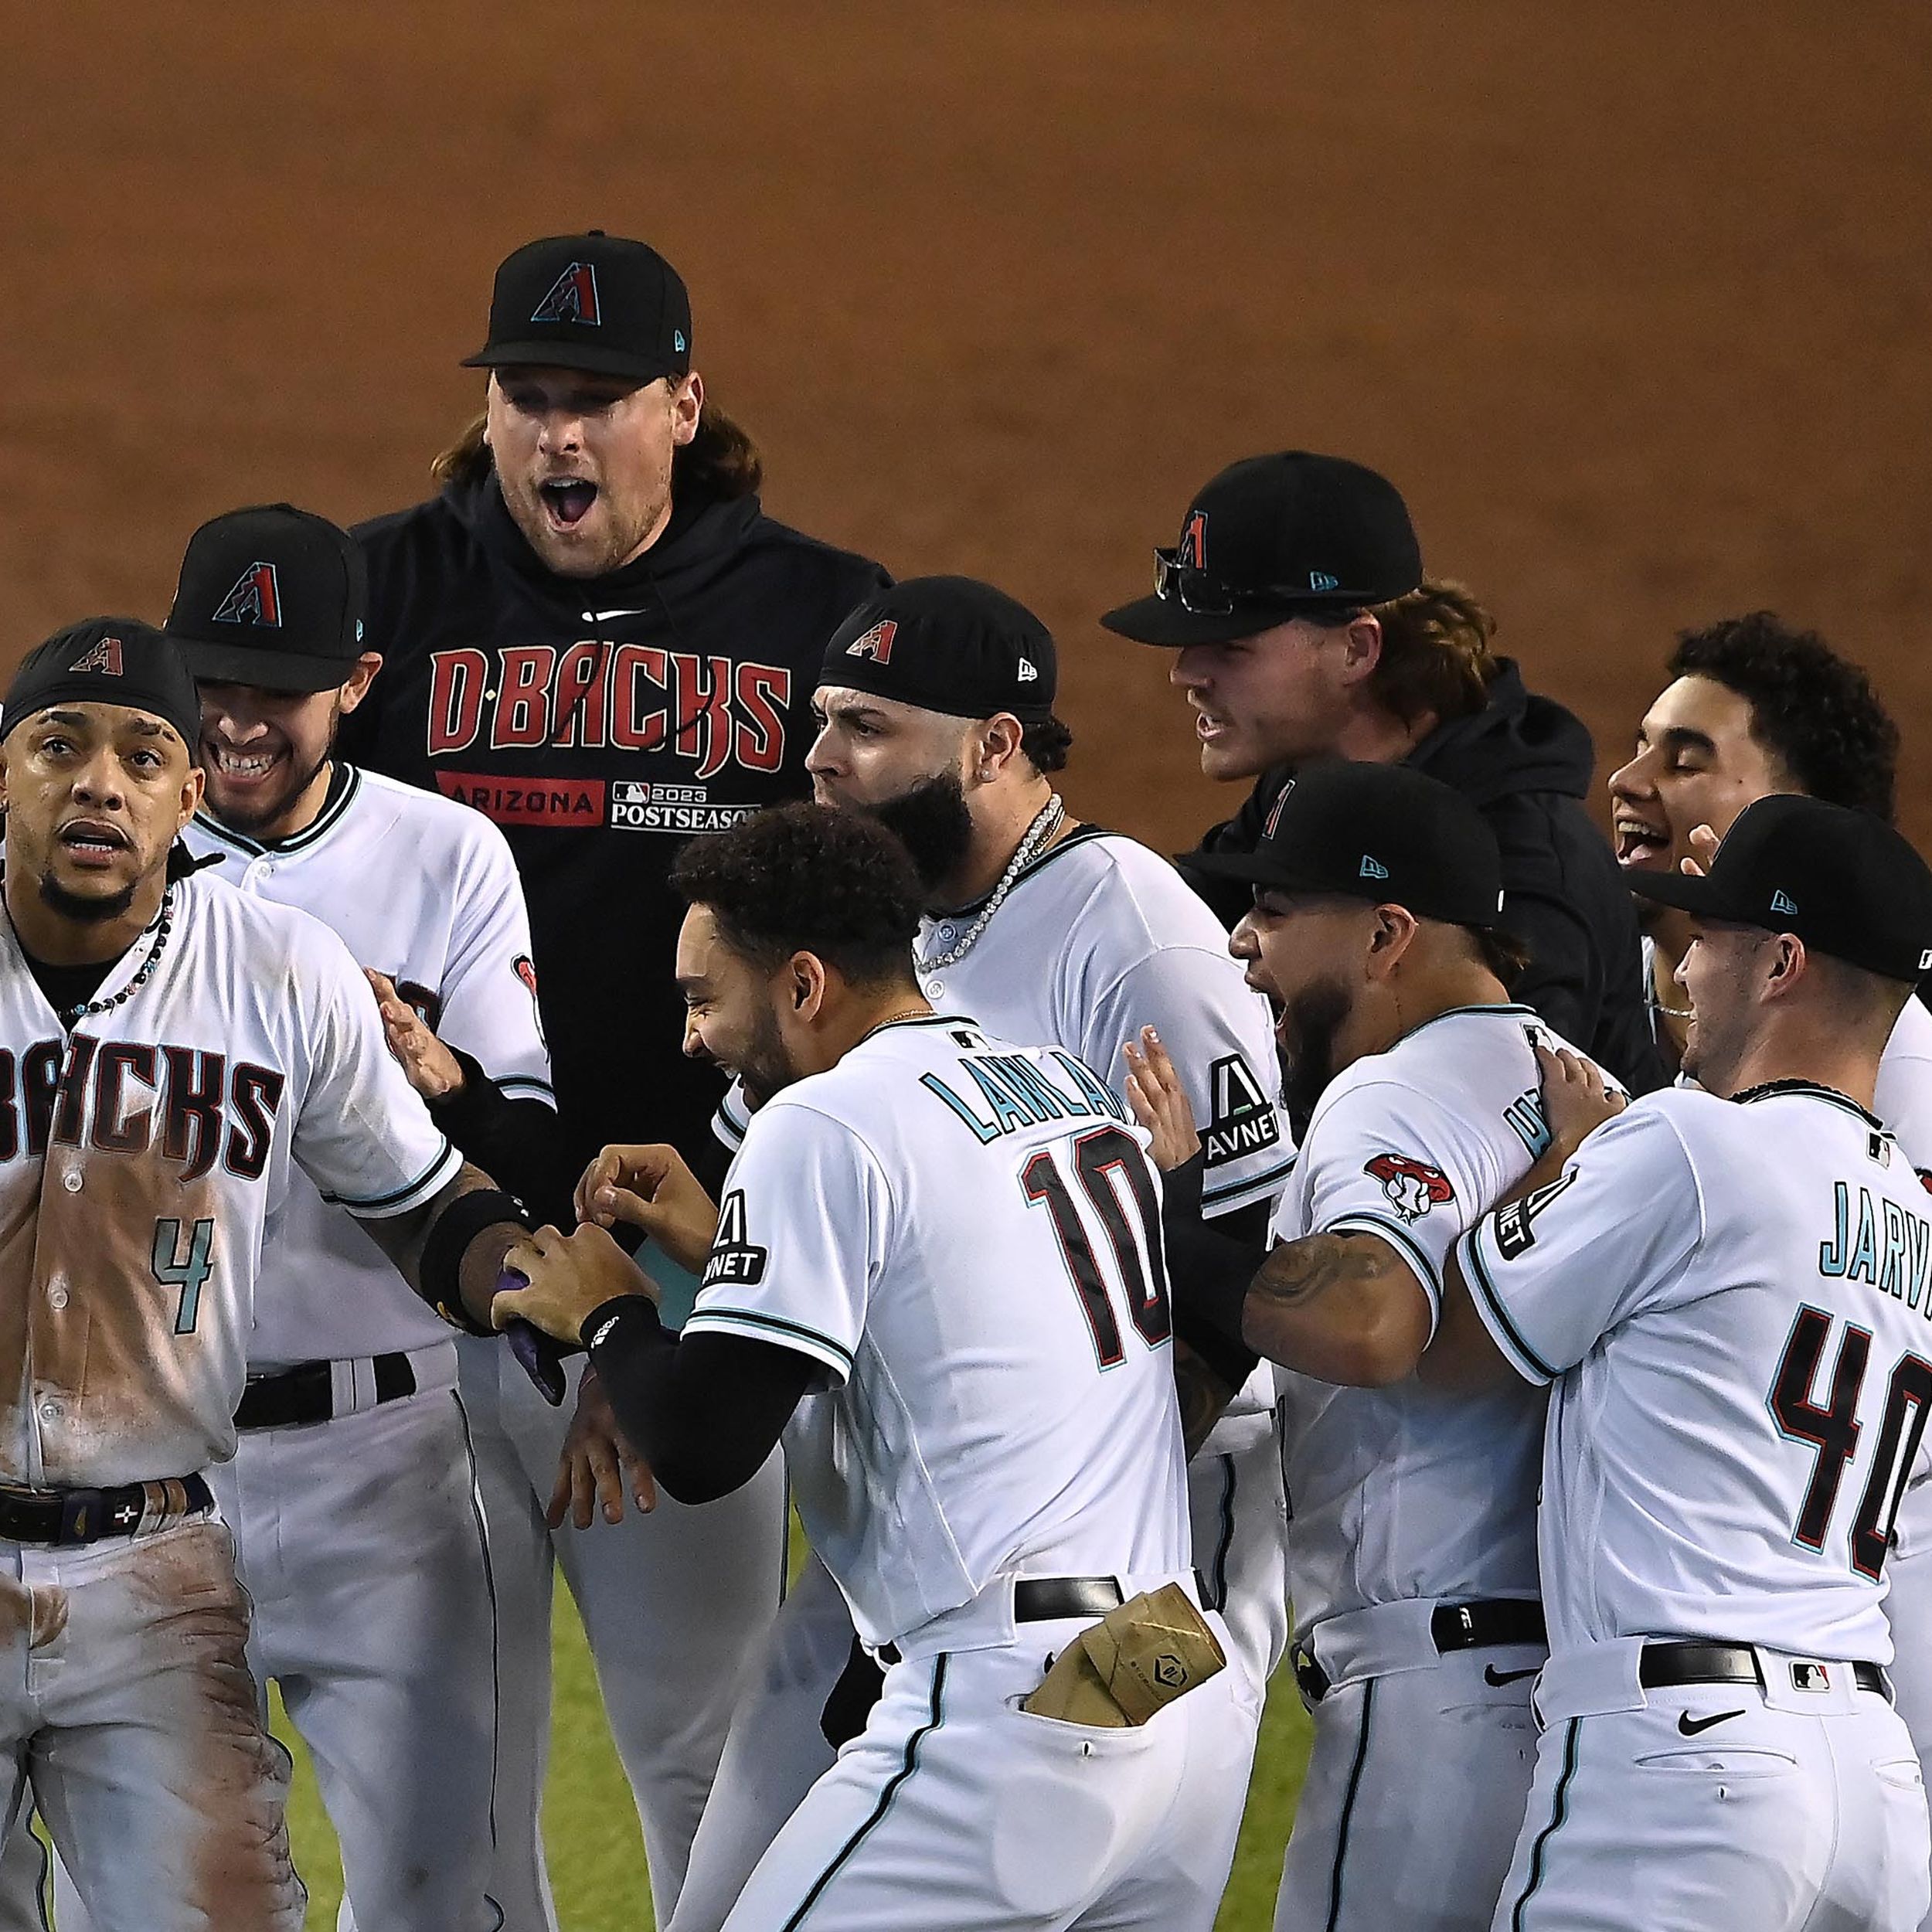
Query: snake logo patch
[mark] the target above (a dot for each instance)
(255, 598)
(572, 298)
(1412, 1187)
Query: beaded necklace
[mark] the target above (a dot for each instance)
(88, 1008)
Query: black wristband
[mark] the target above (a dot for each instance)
(448, 1241)
(632, 1317)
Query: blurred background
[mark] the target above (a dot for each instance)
(1632, 303)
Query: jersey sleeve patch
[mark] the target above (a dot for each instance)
(1413, 1187)
(1243, 1120)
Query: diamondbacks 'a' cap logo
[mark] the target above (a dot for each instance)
(572, 298)
(1782, 903)
(876, 644)
(1320, 580)
(1191, 550)
(105, 657)
(1373, 867)
(255, 598)
(1274, 811)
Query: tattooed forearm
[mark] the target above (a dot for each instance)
(1341, 1308)
(1203, 1395)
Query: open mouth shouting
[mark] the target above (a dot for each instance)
(566, 501)
(92, 844)
(1641, 845)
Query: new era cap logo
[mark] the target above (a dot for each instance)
(572, 298)
(256, 598)
(677, 340)
(1191, 550)
(876, 644)
(1373, 867)
(1781, 902)
(1320, 580)
(1027, 673)
(105, 658)
(1925, 960)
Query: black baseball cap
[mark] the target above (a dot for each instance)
(118, 660)
(1387, 834)
(948, 644)
(593, 301)
(1272, 538)
(1844, 881)
(271, 596)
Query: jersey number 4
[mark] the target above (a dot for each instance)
(188, 1271)
(1103, 1161)
(1833, 1430)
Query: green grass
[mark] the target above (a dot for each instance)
(596, 1856)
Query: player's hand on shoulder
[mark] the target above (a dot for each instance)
(1160, 1102)
(651, 1187)
(1577, 1098)
(433, 1070)
(566, 1278)
(598, 1468)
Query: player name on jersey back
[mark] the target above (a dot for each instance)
(964, 1235)
(1732, 1298)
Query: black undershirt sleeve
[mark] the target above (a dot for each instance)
(520, 1143)
(704, 1412)
(1209, 1264)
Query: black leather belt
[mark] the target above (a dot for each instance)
(306, 1393)
(1039, 1600)
(66, 1517)
(1662, 1665)
(1454, 1627)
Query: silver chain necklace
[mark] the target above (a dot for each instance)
(1038, 833)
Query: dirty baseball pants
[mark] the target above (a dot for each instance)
(1717, 1807)
(126, 1705)
(956, 1811)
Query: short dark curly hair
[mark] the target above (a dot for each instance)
(809, 878)
(1045, 745)
(1814, 712)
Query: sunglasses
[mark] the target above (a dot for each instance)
(1202, 595)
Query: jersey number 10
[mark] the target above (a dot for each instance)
(1142, 1283)
(1833, 1430)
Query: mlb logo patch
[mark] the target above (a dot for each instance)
(255, 598)
(876, 644)
(105, 658)
(1811, 1676)
(572, 298)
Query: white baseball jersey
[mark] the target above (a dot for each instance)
(1403, 1492)
(1098, 938)
(1734, 1300)
(424, 890)
(141, 1155)
(965, 1236)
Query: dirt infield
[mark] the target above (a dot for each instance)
(1635, 307)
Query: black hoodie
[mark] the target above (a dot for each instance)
(600, 721)
(1526, 764)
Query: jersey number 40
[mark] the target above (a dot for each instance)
(1103, 1161)
(1833, 1428)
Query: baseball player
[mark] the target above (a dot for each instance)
(1756, 709)
(937, 707)
(986, 1464)
(1729, 1292)
(168, 1048)
(1305, 628)
(1375, 923)
(595, 636)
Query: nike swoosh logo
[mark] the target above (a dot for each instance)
(1691, 1725)
(1492, 1675)
(599, 617)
